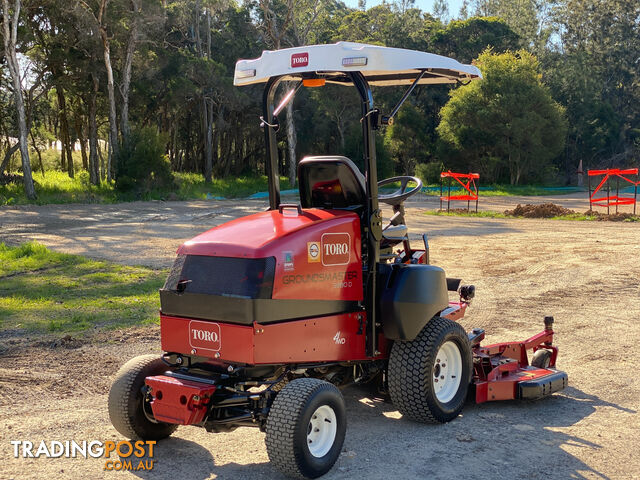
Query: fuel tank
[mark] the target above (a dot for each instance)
(269, 267)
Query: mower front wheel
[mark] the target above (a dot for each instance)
(129, 411)
(541, 359)
(429, 376)
(306, 428)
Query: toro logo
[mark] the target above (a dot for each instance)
(299, 60)
(335, 249)
(204, 335)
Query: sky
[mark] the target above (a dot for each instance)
(426, 5)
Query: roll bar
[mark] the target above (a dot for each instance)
(373, 215)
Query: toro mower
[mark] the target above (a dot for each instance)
(264, 317)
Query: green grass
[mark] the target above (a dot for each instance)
(47, 292)
(193, 186)
(581, 217)
(57, 187)
(493, 214)
(458, 213)
(501, 191)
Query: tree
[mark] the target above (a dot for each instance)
(505, 122)
(441, 10)
(126, 71)
(464, 40)
(463, 14)
(98, 23)
(595, 71)
(526, 17)
(297, 19)
(10, 20)
(406, 140)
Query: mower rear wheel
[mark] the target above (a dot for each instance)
(429, 376)
(306, 428)
(541, 359)
(127, 404)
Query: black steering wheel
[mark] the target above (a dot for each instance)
(400, 195)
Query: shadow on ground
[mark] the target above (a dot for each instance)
(484, 442)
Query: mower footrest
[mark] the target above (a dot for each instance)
(542, 386)
(177, 400)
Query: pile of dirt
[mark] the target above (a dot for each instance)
(613, 217)
(542, 210)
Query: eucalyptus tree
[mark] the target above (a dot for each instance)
(95, 15)
(10, 22)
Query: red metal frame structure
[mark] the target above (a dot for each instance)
(502, 371)
(469, 184)
(616, 199)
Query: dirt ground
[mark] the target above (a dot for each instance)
(584, 273)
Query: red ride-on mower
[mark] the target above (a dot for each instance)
(264, 317)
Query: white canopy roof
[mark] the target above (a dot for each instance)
(380, 65)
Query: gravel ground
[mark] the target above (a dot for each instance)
(584, 273)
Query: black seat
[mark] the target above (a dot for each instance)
(331, 182)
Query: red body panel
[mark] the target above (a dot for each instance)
(318, 252)
(179, 401)
(323, 339)
(455, 311)
(235, 343)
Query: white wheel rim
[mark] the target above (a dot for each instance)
(447, 372)
(321, 432)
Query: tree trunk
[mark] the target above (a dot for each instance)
(35, 147)
(81, 137)
(340, 127)
(10, 25)
(113, 122)
(208, 33)
(7, 157)
(174, 150)
(292, 141)
(109, 161)
(102, 167)
(126, 72)
(64, 130)
(94, 164)
(57, 134)
(208, 150)
(196, 24)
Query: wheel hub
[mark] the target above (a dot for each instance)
(447, 372)
(321, 431)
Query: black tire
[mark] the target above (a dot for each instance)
(412, 365)
(541, 359)
(289, 422)
(126, 400)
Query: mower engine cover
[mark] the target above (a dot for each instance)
(269, 267)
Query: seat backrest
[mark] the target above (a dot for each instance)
(330, 182)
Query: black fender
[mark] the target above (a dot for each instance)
(409, 295)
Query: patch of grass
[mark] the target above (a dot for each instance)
(502, 190)
(493, 214)
(193, 186)
(464, 213)
(55, 187)
(583, 217)
(43, 291)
